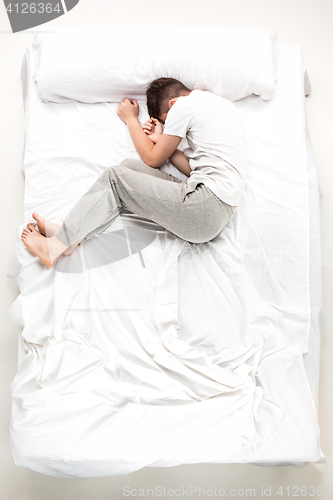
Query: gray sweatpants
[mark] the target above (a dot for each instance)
(190, 211)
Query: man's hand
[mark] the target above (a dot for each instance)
(128, 109)
(153, 129)
(152, 154)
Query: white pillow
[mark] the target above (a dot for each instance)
(108, 63)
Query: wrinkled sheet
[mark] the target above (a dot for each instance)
(141, 349)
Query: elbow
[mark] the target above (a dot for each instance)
(151, 162)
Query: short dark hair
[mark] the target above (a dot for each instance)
(160, 92)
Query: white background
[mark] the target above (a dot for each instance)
(308, 23)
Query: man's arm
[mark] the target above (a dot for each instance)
(154, 131)
(180, 161)
(152, 154)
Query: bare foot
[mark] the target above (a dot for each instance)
(71, 249)
(46, 249)
(48, 229)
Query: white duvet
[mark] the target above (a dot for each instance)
(141, 349)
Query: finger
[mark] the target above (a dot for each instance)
(136, 105)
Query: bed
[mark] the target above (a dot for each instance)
(141, 349)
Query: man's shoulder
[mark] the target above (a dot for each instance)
(183, 105)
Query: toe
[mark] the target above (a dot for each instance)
(32, 228)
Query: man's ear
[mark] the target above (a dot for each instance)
(172, 102)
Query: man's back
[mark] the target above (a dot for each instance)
(217, 148)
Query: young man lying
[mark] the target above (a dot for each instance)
(196, 210)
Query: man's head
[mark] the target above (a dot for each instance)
(162, 94)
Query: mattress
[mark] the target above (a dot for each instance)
(141, 349)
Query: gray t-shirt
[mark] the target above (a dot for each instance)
(217, 149)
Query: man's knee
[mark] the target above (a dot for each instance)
(133, 164)
(127, 162)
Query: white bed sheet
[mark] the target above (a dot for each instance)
(178, 353)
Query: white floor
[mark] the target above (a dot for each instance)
(307, 23)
